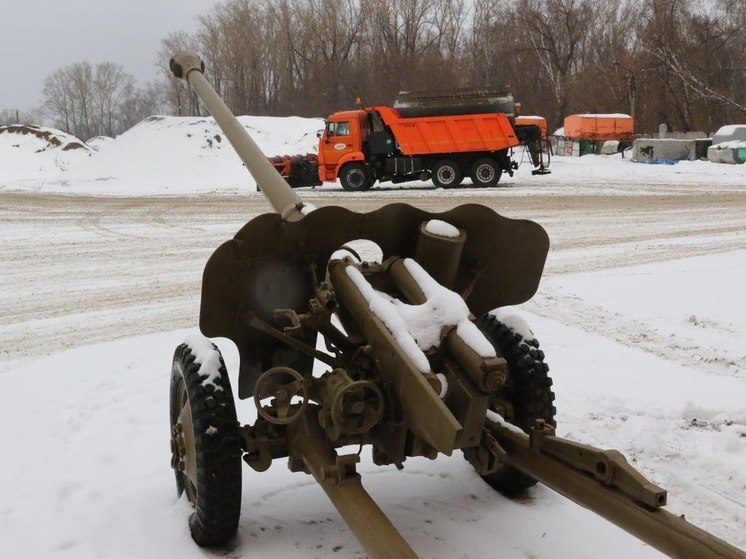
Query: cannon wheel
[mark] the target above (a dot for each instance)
(205, 445)
(528, 389)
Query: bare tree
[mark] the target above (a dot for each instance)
(58, 99)
(88, 100)
(16, 116)
(179, 98)
(336, 27)
(112, 87)
(665, 60)
(141, 103)
(557, 31)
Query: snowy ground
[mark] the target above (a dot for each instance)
(641, 314)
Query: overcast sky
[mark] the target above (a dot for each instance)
(39, 36)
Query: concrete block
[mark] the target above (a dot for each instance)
(652, 150)
(733, 152)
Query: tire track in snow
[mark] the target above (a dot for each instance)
(571, 310)
(122, 266)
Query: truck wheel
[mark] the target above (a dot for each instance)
(485, 172)
(447, 174)
(355, 177)
(528, 389)
(205, 442)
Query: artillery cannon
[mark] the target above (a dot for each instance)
(408, 369)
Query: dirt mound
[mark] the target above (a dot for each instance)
(36, 153)
(55, 138)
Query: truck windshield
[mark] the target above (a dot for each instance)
(338, 129)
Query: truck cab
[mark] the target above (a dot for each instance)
(341, 142)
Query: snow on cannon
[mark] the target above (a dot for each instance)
(408, 369)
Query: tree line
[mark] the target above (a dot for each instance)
(678, 62)
(89, 100)
(97, 100)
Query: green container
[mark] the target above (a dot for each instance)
(587, 147)
(740, 155)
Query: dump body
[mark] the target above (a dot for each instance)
(432, 135)
(600, 127)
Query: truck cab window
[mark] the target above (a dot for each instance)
(338, 129)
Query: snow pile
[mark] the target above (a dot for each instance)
(37, 153)
(170, 155)
(98, 142)
(160, 155)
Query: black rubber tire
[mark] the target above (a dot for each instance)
(218, 454)
(528, 389)
(355, 177)
(447, 174)
(485, 172)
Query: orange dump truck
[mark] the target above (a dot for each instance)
(443, 137)
(599, 127)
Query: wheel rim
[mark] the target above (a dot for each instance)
(485, 173)
(356, 178)
(185, 445)
(446, 174)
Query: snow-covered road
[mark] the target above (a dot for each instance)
(87, 269)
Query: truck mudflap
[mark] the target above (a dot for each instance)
(298, 170)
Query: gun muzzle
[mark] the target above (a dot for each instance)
(284, 200)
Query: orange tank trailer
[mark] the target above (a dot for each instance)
(599, 127)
